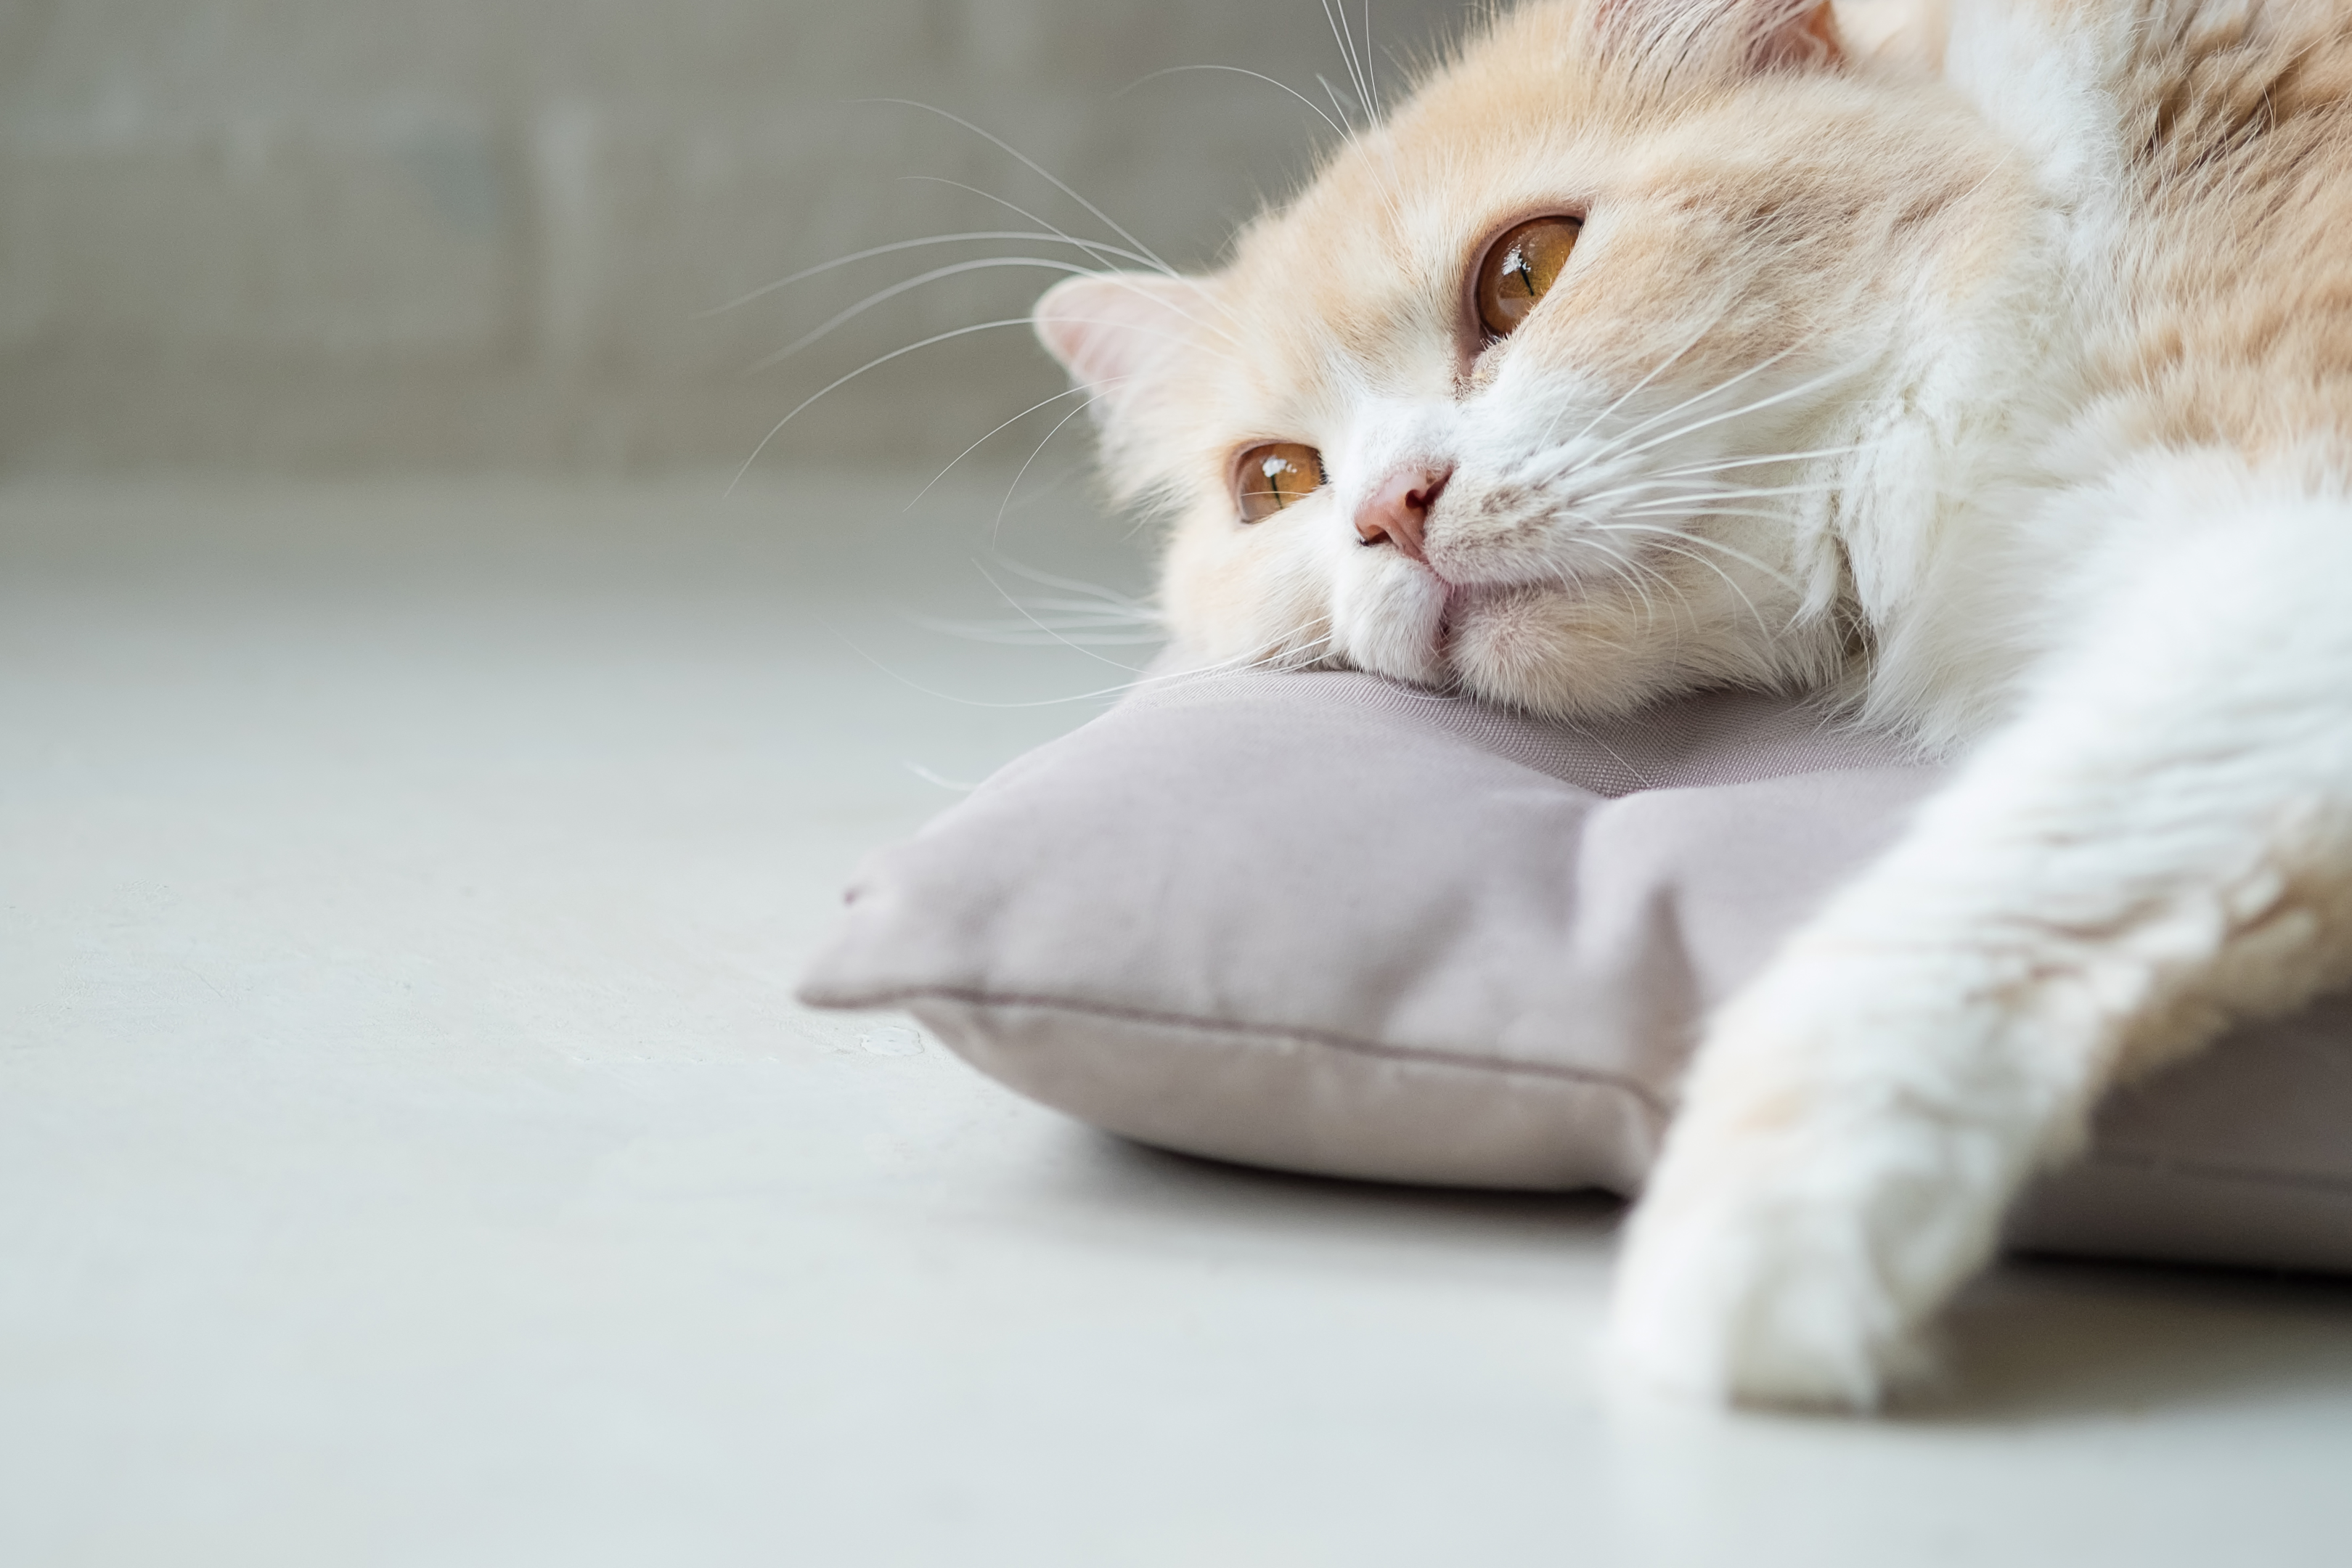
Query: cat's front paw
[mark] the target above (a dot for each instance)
(1753, 1282)
(1818, 1199)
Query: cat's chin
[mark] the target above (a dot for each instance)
(1546, 651)
(1393, 622)
(1561, 651)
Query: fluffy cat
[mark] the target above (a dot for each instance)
(1998, 378)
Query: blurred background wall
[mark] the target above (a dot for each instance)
(364, 234)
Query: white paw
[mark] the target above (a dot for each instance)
(1745, 1287)
(1815, 1205)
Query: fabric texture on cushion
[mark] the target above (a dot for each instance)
(1326, 923)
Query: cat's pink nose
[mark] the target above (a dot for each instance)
(1397, 510)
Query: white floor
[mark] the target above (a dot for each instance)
(410, 1152)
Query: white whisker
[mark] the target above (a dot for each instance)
(1744, 493)
(1615, 446)
(1332, 93)
(870, 252)
(1337, 129)
(1759, 404)
(882, 296)
(1037, 169)
(1630, 392)
(1716, 544)
(1048, 630)
(839, 381)
(1763, 458)
(1093, 247)
(1092, 596)
(929, 777)
(1017, 636)
(1696, 510)
(1622, 566)
(1728, 581)
(1336, 13)
(1010, 207)
(976, 446)
(1033, 456)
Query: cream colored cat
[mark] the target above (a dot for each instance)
(2002, 381)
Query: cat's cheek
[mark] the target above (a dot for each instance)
(1217, 604)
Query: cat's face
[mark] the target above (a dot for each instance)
(1516, 397)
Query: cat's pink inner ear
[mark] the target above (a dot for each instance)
(1763, 34)
(1109, 330)
(1805, 34)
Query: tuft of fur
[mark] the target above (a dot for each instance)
(1996, 375)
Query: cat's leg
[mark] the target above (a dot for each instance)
(2160, 842)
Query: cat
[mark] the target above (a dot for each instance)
(1996, 378)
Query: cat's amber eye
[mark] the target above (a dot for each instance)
(1519, 268)
(1273, 476)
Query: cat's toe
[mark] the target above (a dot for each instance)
(1752, 1297)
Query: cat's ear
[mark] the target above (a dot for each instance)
(1119, 332)
(1739, 34)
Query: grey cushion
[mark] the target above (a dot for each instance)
(1326, 923)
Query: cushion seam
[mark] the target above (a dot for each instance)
(1348, 1043)
(2207, 1170)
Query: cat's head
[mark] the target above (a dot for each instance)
(1507, 400)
